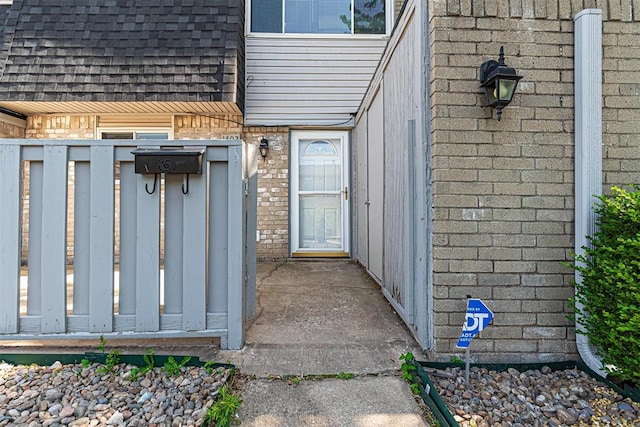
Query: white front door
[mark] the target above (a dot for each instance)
(319, 193)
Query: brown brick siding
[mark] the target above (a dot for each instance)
(205, 127)
(61, 127)
(8, 130)
(503, 191)
(273, 192)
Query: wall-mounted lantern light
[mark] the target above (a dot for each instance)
(264, 147)
(499, 82)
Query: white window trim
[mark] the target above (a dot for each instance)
(389, 5)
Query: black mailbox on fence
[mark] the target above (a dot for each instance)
(168, 160)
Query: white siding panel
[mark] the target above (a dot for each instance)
(307, 81)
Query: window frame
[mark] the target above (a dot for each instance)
(389, 5)
(135, 130)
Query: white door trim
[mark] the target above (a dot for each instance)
(294, 212)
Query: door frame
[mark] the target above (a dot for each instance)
(294, 213)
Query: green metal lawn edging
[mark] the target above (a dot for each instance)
(432, 399)
(93, 357)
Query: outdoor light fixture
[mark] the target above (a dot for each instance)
(499, 82)
(264, 147)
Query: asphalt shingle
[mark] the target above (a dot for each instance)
(121, 50)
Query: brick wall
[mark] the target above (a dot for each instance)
(273, 192)
(9, 130)
(621, 97)
(273, 175)
(205, 127)
(503, 191)
(61, 127)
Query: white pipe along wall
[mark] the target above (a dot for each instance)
(588, 148)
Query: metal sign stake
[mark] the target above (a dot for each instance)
(466, 366)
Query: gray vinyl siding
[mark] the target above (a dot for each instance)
(391, 171)
(307, 81)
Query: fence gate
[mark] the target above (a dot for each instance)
(89, 247)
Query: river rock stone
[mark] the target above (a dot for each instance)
(535, 398)
(77, 396)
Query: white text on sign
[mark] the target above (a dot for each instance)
(474, 321)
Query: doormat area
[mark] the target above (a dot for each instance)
(108, 388)
(560, 393)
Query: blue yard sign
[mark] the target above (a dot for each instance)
(478, 318)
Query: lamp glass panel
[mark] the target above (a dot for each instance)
(490, 92)
(507, 88)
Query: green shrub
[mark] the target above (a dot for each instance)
(610, 287)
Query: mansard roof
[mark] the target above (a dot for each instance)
(122, 51)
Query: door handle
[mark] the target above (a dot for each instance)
(346, 193)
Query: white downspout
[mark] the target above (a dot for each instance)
(588, 146)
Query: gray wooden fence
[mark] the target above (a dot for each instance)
(165, 264)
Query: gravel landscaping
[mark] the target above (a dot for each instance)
(533, 398)
(77, 395)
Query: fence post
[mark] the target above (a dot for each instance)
(234, 259)
(10, 177)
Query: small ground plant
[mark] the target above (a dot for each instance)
(609, 290)
(172, 367)
(408, 371)
(222, 412)
(112, 359)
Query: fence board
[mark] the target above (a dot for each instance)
(101, 238)
(10, 173)
(54, 239)
(195, 256)
(148, 255)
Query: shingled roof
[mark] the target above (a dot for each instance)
(122, 51)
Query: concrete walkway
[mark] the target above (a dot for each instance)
(323, 318)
